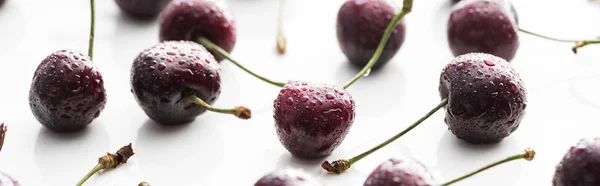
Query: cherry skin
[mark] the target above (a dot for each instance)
(360, 26)
(486, 26)
(486, 97)
(142, 9)
(580, 166)
(2, 2)
(6, 180)
(187, 20)
(400, 171)
(288, 177)
(67, 92)
(312, 119)
(163, 76)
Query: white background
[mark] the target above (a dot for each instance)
(220, 149)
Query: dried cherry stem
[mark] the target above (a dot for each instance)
(578, 43)
(239, 111)
(406, 8)
(281, 40)
(144, 184)
(528, 155)
(3, 129)
(109, 161)
(92, 27)
(215, 48)
(342, 165)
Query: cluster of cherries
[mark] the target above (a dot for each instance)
(178, 79)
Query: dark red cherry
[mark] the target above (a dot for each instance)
(288, 177)
(486, 26)
(142, 9)
(400, 171)
(580, 166)
(360, 26)
(312, 119)
(486, 97)
(189, 19)
(67, 92)
(165, 75)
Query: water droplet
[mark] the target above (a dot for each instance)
(494, 94)
(304, 99)
(199, 65)
(161, 66)
(479, 72)
(171, 53)
(329, 96)
(76, 90)
(289, 101)
(367, 73)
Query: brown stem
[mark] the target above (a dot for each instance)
(110, 161)
(3, 129)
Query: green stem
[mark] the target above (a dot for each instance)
(281, 40)
(213, 47)
(528, 155)
(407, 8)
(89, 174)
(240, 111)
(92, 27)
(546, 37)
(431, 112)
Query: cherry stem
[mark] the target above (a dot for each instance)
(578, 43)
(92, 27)
(215, 48)
(90, 174)
(144, 184)
(406, 8)
(3, 129)
(340, 166)
(281, 40)
(528, 155)
(239, 111)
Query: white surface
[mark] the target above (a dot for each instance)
(222, 150)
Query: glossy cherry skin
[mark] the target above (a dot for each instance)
(580, 166)
(486, 26)
(486, 98)
(165, 75)
(142, 9)
(67, 91)
(6, 180)
(400, 171)
(360, 27)
(312, 119)
(189, 19)
(288, 177)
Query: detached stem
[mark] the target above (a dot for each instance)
(92, 27)
(340, 166)
(528, 155)
(90, 174)
(215, 48)
(406, 8)
(578, 43)
(3, 130)
(281, 40)
(239, 111)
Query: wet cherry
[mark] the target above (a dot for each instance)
(580, 166)
(142, 9)
(288, 177)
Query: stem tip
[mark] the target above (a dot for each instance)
(144, 184)
(529, 154)
(337, 166)
(281, 42)
(242, 112)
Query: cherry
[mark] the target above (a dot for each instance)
(142, 9)
(409, 171)
(190, 19)
(485, 101)
(6, 180)
(110, 161)
(360, 25)
(288, 177)
(67, 92)
(175, 81)
(487, 26)
(580, 165)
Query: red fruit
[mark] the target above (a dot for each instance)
(312, 119)
(486, 26)
(189, 19)
(6, 180)
(142, 8)
(360, 26)
(163, 76)
(403, 171)
(67, 92)
(486, 97)
(288, 177)
(580, 166)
